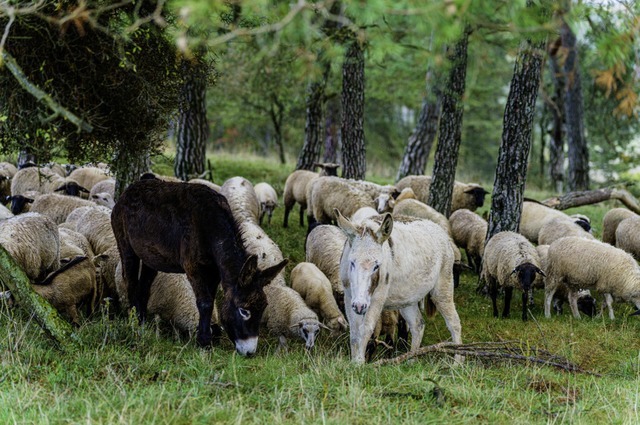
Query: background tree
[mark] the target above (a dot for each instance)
(556, 105)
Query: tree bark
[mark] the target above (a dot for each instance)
(556, 145)
(578, 151)
(192, 128)
(313, 125)
(588, 197)
(352, 129)
(450, 129)
(14, 278)
(511, 172)
(416, 154)
(128, 166)
(276, 111)
(332, 131)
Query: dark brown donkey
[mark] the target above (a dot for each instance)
(188, 228)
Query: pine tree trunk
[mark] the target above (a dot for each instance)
(352, 129)
(192, 128)
(313, 130)
(332, 131)
(556, 145)
(450, 129)
(128, 166)
(14, 278)
(416, 154)
(511, 172)
(578, 151)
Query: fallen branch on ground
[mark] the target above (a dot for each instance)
(588, 197)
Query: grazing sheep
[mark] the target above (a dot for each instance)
(469, 232)
(315, 289)
(33, 241)
(329, 193)
(287, 315)
(258, 243)
(381, 195)
(559, 227)
(207, 183)
(295, 191)
(171, 297)
(396, 265)
(580, 263)
(95, 225)
(268, 199)
(106, 266)
(324, 246)
(57, 207)
(88, 177)
(44, 180)
(414, 208)
(535, 215)
(73, 244)
(21, 203)
(510, 261)
(70, 286)
(242, 199)
(465, 195)
(627, 236)
(610, 223)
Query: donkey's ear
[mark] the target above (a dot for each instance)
(385, 229)
(268, 274)
(249, 270)
(345, 225)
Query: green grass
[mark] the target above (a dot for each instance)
(126, 374)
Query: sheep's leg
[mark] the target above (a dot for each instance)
(413, 317)
(269, 217)
(572, 297)
(262, 211)
(608, 300)
(302, 210)
(525, 303)
(508, 293)
(549, 290)
(493, 292)
(470, 260)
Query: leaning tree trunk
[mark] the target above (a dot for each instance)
(14, 278)
(332, 131)
(416, 154)
(578, 151)
(556, 104)
(313, 131)
(511, 172)
(192, 128)
(352, 128)
(450, 129)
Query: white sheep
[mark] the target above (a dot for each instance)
(580, 263)
(287, 315)
(627, 236)
(103, 192)
(95, 225)
(73, 244)
(610, 223)
(329, 193)
(510, 261)
(70, 286)
(414, 208)
(207, 183)
(465, 195)
(57, 207)
(242, 199)
(171, 298)
(33, 241)
(314, 287)
(323, 247)
(559, 227)
(257, 242)
(268, 198)
(469, 232)
(295, 191)
(88, 177)
(22, 203)
(535, 215)
(380, 194)
(363, 214)
(44, 180)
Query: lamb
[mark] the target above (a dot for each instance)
(71, 286)
(380, 194)
(510, 261)
(559, 227)
(268, 199)
(627, 236)
(287, 315)
(329, 193)
(580, 263)
(324, 246)
(103, 193)
(315, 289)
(535, 215)
(33, 241)
(242, 199)
(610, 223)
(295, 191)
(171, 298)
(57, 207)
(469, 232)
(465, 195)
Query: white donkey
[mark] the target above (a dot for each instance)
(395, 271)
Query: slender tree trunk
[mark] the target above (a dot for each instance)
(450, 129)
(352, 129)
(128, 166)
(192, 128)
(277, 116)
(511, 172)
(578, 151)
(313, 126)
(14, 278)
(416, 154)
(332, 131)
(556, 145)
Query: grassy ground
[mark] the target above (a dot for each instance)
(132, 375)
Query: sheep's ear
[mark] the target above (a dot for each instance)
(395, 194)
(540, 272)
(383, 233)
(345, 225)
(323, 326)
(82, 189)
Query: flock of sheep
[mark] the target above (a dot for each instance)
(58, 230)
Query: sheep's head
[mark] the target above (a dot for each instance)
(308, 330)
(478, 193)
(337, 324)
(526, 273)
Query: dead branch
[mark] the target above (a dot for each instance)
(587, 197)
(503, 350)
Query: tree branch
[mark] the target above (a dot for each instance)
(7, 60)
(587, 197)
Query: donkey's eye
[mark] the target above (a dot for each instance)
(245, 314)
